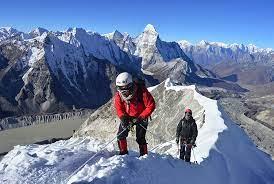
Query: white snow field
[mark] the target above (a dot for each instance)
(224, 153)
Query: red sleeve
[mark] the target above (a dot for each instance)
(119, 106)
(149, 104)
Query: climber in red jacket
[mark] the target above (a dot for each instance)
(133, 104)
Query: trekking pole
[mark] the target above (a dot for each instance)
(67, 179)
(195, 161)
(179, 148)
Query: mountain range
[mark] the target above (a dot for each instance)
(44, 71)
(234, 62)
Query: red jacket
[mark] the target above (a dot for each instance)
(136, 108)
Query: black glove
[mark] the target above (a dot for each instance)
(124, 121)
(177, 140)
(136, 121)
(189, 146)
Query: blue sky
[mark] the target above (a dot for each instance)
(229, 21)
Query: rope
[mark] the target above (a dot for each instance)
(161, 139)
(67, 179)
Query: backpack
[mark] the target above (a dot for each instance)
(141, 85)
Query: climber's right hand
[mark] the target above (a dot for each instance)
(124, 121)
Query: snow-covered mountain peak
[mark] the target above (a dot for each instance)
(70, 29)
(269, 50)
(146, 43)
(123, 41)
(75, 31)
(184, 42)
(150, 33)
(219, 44)
(203, 42)
(38, 32)
(254, 48)
(8, 30)
(117, 34)
(114, 35)
(156, 53)
(41, 30)
(78, 31)
(150, 28)
(41, 37)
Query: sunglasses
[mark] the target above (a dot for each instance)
(125, 88)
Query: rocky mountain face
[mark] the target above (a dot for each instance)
(11, 33)
(162, 59)
(233, 62)
(54, 72)
(158, 58)
(47, 72)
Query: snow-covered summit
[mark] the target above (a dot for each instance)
(150, 28)
(154, 52)
(224, 153)
(114, 35)
(6, 32)
(38, 32)
(184, 43)
(203, 42)
(151, 50)
(149, 36)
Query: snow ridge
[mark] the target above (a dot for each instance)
(224, 153)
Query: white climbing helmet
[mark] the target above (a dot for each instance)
(123, 79)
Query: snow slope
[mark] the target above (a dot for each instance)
(224, 153)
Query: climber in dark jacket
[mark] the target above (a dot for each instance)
(186, 135)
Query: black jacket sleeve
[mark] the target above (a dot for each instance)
(179, 129)
(195, 132)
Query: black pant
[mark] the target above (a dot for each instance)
(140, 133)
(185, 152)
